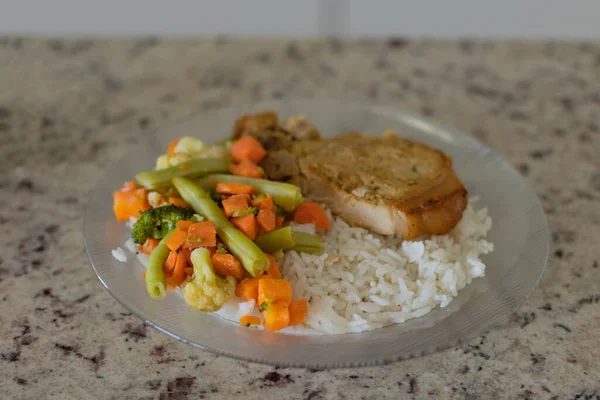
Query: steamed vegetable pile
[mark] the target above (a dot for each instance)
(212, 226)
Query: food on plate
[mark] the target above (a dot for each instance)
(279, 229)
(389, 185)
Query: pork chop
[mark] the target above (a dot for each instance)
(387, 184)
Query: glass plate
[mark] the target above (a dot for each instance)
(519, 233)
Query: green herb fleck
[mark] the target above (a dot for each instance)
(264, 307)
(169, 192)
(193, 239)
(414, 168)
(247, 211)
(279, 211)
(221, 249)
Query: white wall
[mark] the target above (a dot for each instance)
(446, 18)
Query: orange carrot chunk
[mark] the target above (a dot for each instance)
(271, 290)
(178, 201)
(273, 270)
(189, 271)
(129, 201)
(266, 220)
(172, 145)
(298, 310)
(227, 264)
(234, 188)
(183, 225)
(148, 246)
(248, 148)
(246, 168)
(263, 202)
(169, 265)
(249, 320)
(311, 213)
(248, 288)
(276, 316)
(246, 224)
(179, 275)
(187, 255)
(201, 234)
(237, 202)
(279, 222)
(177, 239)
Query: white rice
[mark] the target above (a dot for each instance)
(119, 255)
(364, 281)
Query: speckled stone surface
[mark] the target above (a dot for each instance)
(69, 107)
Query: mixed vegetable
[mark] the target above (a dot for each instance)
(213, 234)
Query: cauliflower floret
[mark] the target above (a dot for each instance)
(188, 148)
(205, 291)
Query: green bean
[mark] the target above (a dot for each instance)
(286, 195)
(307, 243)
(192, 169)
(240, 245)
(279, 239)
(156, 280)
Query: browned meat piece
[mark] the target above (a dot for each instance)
(389, 185)
(249, 124)
(300, 128)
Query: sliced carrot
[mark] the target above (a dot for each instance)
(276, 316)
(227, 264)
(148, 246)
(169, 265)
(263, 201)
(129, 186)
(248, 148)
(247, 289)
(266, 220)
(178, 201)
(246, 168)
(271, 290)
(298, 309)
(234, 188)
(268, 204)
(311, 213)
(246, 224)
(179, 275)
(144, 274)
(279, 221)
(248, 320)
(187, 254)
(128, 202)
(201, 234)
(189, 271)
(237, 202)
(172, 145)
(273, 270)
(183, 225)
(176, 240)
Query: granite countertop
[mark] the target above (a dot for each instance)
(68, 108)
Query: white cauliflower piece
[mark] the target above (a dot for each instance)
(205, 291)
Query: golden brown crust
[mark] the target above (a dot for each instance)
(401, 174)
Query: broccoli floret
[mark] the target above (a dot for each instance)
(157, 222)
(205, 291)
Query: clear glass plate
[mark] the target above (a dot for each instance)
(519, 232)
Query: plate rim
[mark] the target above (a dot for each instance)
(379, 109)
